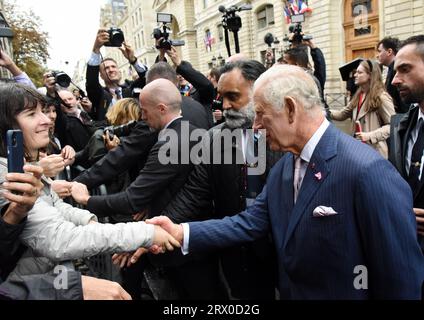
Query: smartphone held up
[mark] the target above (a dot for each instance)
(15, 151)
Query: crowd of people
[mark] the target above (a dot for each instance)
(216, 226)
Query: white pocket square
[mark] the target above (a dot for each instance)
(322, 211)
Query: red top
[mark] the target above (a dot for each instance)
(362, 97)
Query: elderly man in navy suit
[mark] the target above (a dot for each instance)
(340, 214)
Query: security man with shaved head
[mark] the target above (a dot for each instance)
(157, 184)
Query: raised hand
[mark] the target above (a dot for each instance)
(86, 104)
(111, 144)
(28, 185)
(5, 60)
(68, 155)
(101, 38)
(161, 50)
(217, 115)
(128, 52)
(52, 164)
(173, 55)
(49, 82)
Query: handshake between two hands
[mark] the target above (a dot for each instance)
(167, 236)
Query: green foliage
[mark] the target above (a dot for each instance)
(30, 44)
(35, 71)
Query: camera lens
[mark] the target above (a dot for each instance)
(157, 34)
(117, 37)
(63, 80)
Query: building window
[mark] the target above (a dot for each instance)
(140, 15)
(205, 4)
(363, 31)
(357, 4)
(142, 39)
(209, 40)
(265, 17)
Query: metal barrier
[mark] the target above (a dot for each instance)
(100, 265)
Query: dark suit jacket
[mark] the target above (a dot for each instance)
(203, 92)
(195, 113)
(101, 97)
(375, 226)
(218, 190)
(155, 185)
(400, 130)
(130, 155)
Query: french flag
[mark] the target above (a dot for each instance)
(303, 6)
(294, 6)
(287, 14)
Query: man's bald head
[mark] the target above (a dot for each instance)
(160, 102)
(164, 91)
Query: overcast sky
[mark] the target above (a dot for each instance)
(72, 27)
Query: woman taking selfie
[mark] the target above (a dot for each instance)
(370, 108)
(54, 229)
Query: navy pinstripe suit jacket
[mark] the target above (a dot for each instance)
(375, 226)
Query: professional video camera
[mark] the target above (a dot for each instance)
(61, 78)
(121, 131)
(231, 20)
(116, 37)
(296, 29)
(165, 43)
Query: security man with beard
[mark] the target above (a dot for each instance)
(215, 190)
(407, 130)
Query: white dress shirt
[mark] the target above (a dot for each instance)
(411, 141)
(305, 155)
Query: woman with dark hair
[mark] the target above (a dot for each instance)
(370, 108)
(54, 158)
(56, 231)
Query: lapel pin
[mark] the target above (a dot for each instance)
(318, 176)
(313, 166)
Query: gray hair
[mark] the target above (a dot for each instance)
(161, 70)
(281, 81)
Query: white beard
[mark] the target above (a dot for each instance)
(242, 118)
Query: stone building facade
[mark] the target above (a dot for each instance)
(339, 27)
(343, 29)
(5, 43)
